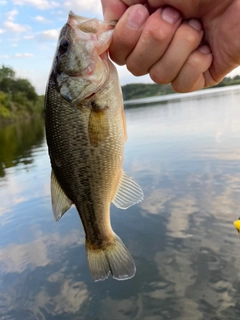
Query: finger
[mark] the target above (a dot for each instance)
(195, 72)
(189, 8)
(156, 35)
(127, 33)
(114, 9)
(186, 39)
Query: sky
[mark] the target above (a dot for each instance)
(29, 31)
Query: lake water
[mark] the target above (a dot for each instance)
(186, 156)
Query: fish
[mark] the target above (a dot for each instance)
(86, 131)
(236, 224)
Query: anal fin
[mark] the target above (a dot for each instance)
(128, 193)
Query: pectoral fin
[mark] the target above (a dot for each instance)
(60, 202)
(128, 193)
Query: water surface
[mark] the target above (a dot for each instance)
(186, 156)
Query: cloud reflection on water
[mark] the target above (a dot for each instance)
(181, 236)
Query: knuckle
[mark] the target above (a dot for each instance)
(195, 63)
(157, 35)
(155, 76)
(189, 36)
(198, 63)
(191, 39)
(154, 32)
(134, 68)
(194, 84)
(179, 88)
(158, 77)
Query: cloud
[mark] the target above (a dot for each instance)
(41, 254)
(41, 19)
(67, 300)
(47, 35)
(2, 3)
(11, 15)
(10, 25)
(22, 55)
(30, 37)
(91, 6)
(156, 201)
(2, 31)
(4, 56)
(14, 27)
(39, 4)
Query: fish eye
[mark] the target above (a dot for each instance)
(63, 46)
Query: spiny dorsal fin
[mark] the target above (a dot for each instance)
(128, 193)
(60, 202)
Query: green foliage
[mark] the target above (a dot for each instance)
(24, 86)
(18, 97)
(4, 100)
(4, 105)
(227, 81)
(142, 90)
(10, 85)
(6, 72)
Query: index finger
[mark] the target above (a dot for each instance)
(114, 9)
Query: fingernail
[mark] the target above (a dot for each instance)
(205, 49)
(195, 24)
(137, 17)
(170, 15)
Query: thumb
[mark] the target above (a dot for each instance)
(113, 9)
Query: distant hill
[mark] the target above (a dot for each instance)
(143, 90)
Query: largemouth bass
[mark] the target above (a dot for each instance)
(86, 131)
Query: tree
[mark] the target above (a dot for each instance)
(6, 72)
(9, 84)
(23, 85)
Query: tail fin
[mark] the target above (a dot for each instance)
(116, 260)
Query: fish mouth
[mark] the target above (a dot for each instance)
(75, 75)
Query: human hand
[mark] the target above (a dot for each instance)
(221, 25)
(159, 44)
(197, 70)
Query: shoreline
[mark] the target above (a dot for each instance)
(179, 96)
